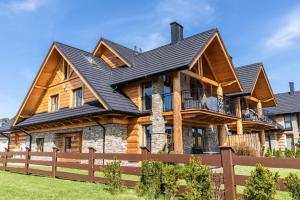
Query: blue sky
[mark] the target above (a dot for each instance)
(253, 31)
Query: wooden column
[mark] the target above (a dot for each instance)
(222, 135)
(177, 118)
(91, 165)
(238, 110)
(259, 109)
(220, 98)
(262, 138)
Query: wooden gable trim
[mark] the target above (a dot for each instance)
(112, 50)
(262, 70)
(33, 85)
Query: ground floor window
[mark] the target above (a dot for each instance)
(198, 140)
(68, 144)
(39, 144)
(170, 138)
(147, 136)
(289, 141)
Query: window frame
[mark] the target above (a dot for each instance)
(147, 97)
(68, 148)
(75, 97)
(52, 98)
(147, 136)
(66, 70)
(286, 122)
(38, 142)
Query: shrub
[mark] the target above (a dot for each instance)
(112, 171)
(150, 180)
(268, 153)
(170, 176)
(274, 152)
(278, 153)
(288, 153)
(262, 184)
(244, 150)
(198, 181)
(292, 183)
(298, 152)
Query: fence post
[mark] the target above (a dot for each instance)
(54, 161)
(5, 159)
(145, 153)
(27, 160)
(228, 172)
(91, 164)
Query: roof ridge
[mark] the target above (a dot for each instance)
(119, 44)
(298, 91)
(55, 42)
(249, 65)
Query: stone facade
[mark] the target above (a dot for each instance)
(211, 140)
(187, 140)
(158, 140)
(158, 122)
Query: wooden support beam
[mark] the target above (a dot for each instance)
(200, 66)
(201, 78)
(252, 98)
(228, 83)
(210, 65)
(40, 87)
(259, 109)
(177, 119)
(267, 100)
(222, 134)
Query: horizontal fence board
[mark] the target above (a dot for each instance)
(291, 163)
(15, 153)
(44, 154)
(72, 176)
(15, 160)
(39, 172)
(120, 156)
(79, 156)
(241, 180)
(41, 162)
(73, 165)
(124, 169)
(15, 169)
(2, 160)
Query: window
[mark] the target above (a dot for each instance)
(54, 103)
(170, 138)
(147, 136)
(168, 97)
(288, 121)
(197, 137)
(66, 70)
(78, 97)
(68, 144)
(147, 96)
(39, 144)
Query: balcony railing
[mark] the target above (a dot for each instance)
(199, 98)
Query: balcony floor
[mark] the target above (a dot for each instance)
(254, 125)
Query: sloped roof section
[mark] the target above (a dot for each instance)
(98, 75)
(286, 103)
(7, 126)
(247, 75)
(160, 60)
(91, 108)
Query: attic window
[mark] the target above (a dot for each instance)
(66, 70)
(91, 60)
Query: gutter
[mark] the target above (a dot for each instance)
(30, 137)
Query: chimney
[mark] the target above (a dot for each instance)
(176, 32)
(292, 88)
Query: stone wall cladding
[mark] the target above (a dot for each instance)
(211, 138)
(158, 122)
(158, 140)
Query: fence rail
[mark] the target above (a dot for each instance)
(88, 162)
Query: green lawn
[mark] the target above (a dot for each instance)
(18, 186)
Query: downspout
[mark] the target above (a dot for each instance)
(104, 133)
(30, 137)
(8, 139)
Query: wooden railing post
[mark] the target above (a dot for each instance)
(54, 161)
(228, 172)
(5, 159)
(27, 157)
(91, 164)
(145, 153)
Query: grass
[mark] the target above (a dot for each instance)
(18, 186)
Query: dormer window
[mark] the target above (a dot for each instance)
(54, 103)
(66, 70)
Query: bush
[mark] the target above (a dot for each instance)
(198, 181)
(278, 153)
(288, 153)
(170, 176)
(268, 153)
(298, 152)
(245, 150)
(112, 171)
(150, 180)
(292, 183)
(262, 184)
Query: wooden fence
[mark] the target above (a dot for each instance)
(226, 160)
(251, 140)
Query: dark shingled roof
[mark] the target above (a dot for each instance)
(247, 75)
(98, 76)
(7, 126)
(286, 103)
(65, 113)
(160, 60)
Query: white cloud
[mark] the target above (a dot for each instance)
(151, 41)
(22, 5)
(288, 31)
